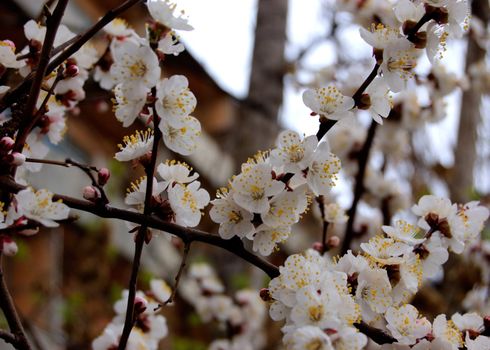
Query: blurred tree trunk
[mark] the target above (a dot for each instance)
(257, 126)
(461, 181)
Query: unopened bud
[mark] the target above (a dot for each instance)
(91, 193)
(9, 247)
(6, 143)
(265, 294)
(16, 158)
(103, 176)
(318, 246)
(333, 242)
(140, 305)
(71, 71)
(29, 231)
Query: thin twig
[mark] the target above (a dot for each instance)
(377, 335)
(187, 248)
(142, 232)
(321, 204)
(359, 187)
(10, 312)
(13, 95)
(87, 169)
(29, 120)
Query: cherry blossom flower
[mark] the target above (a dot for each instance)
(184, 139)
(385, 251)
(187, 201)
(253, 187)
(447, 333)
(175, 172)
(380, 36)
(37, 206)
(405, 325)
(329, 102)
(293, 153)
(162, 11)
(136, 66)
(334, 214)
(119, 28)
(399, 60)
(170, 44)
(128, 103)
(175, 100)
(135, 145)
(266, 238)
(380, 100)
(479, 343)
(8, 58)
(404, 232)
(285, 208)
(308, 337)
(160, 290)
(233, 219)
(323, 170)
(373, 292)
(137, 191)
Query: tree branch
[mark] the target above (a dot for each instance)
(29, 119)
(142, 232)
(15, 93)
(187, 248)
(13, 319)
(375, 334)
(359, 187)
(234, 245)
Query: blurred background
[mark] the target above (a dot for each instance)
(248, 62)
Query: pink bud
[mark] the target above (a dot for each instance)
(6, 143)
(16, 158)
(318, 246)
(140, 305)
(71, 71)
(91, 193)
(29, 231)
(103, 176)
(333, 242)
(9, 247)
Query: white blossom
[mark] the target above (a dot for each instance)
(329, 102)
(135, 145)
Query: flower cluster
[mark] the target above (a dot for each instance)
(28, 210)
(244, 314)
(150, 328)
(323, 299)
(397, 41)
(273, 190)
(131, 67)
(178, 197)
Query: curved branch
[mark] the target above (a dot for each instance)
(82, 39)
(234, 245)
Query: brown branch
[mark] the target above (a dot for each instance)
(29, 119)
(87, 169)
(187, 248)
(142, 232)
(15, 93)
(8, 337)
(359, 187)
(234, 245)
(321, 204)
(11, 315)
(375, 334)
